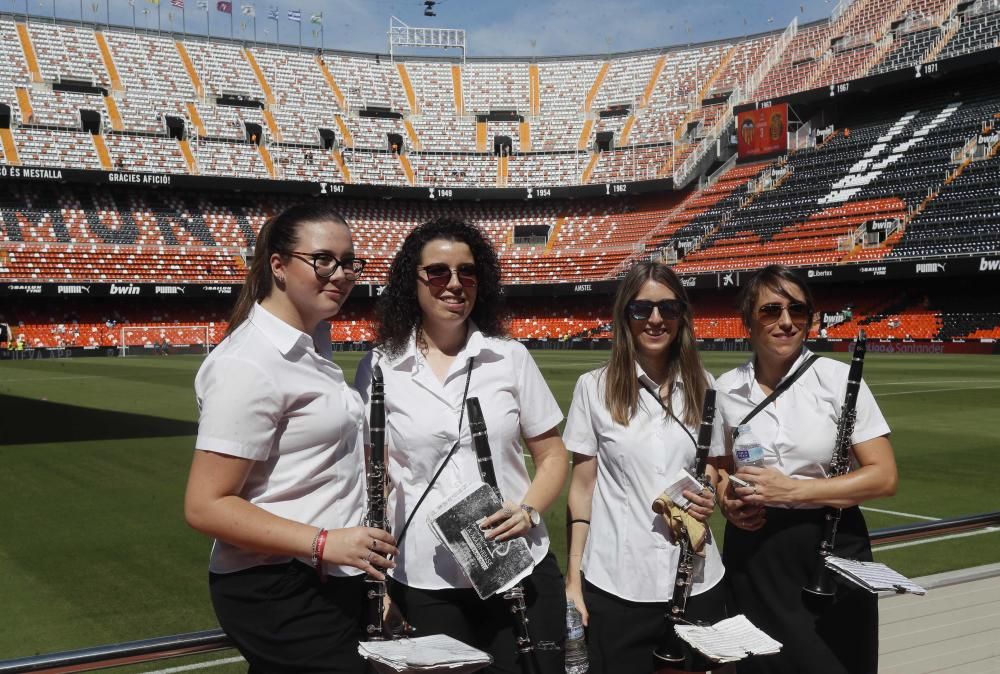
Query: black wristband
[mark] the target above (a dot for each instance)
(572, 522)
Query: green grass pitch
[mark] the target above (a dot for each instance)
(94, 455)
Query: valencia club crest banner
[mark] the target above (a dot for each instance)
(763, 131)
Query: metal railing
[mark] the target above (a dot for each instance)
(194, 643)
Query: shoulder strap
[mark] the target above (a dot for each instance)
(784, 386)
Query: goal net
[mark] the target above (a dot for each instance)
(164, 340)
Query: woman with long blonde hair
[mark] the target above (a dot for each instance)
(631, 428)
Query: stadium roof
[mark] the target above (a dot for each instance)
(514, 28)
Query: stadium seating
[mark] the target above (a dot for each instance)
(148, 77)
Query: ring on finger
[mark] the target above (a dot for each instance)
(369, 557)
(372, 546)
(508, 512)
(754, 490)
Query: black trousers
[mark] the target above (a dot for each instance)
(622, 634)
(284, 620)
(765, 573)
(489, 625)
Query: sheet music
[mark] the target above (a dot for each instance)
(438, 652)
(873, 576)
(729, 640)
(682, 480)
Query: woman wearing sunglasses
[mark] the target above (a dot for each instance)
(276, 472)
(631, 428)
(442, 340)
(775, 525)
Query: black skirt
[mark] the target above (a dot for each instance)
(489, 625)
(765, 573)
(284, 620)
(623, 634)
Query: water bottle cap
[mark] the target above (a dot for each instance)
(570, 603)
(744, 428)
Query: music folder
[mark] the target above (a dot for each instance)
(490, 566)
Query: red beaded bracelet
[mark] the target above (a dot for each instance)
(318, 545)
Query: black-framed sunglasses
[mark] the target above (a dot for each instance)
(439, 275)
(641, 310)
(798, 312)
(326, 265)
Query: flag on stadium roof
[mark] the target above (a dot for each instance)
(249, 10)
(295, 15)
(316, 18)
(272, 13)
(177, 3)
(224, 6)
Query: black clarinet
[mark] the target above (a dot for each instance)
(514, 596)
(377, 476)
(822, 583)
(672, 648)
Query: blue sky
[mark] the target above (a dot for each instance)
(508, 28)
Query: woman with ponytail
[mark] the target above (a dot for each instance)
(277, 476)
(631, 428)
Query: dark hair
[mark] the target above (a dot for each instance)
(621, 387)
(773, 277)
(279, 234)
(397, 308)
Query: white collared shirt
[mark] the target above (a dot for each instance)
(799, 429)
(272, 394)
(629, 552)
(422, 416)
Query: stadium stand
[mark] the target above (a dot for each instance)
(140, 78)
(923, 165)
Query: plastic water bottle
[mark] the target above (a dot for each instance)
(747, 450)
(577, 661)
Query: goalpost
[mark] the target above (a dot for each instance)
(163, 340)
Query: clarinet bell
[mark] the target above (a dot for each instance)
(823, 583)
(671, 648)
(666, 654)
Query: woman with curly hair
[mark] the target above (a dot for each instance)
(442, 340)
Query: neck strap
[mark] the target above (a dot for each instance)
(656, 394)
(782, 387)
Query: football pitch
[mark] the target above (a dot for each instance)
(94, 456)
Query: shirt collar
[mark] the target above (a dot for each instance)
(278, 332)
(648, 382)
(475, 344)
(748, 372)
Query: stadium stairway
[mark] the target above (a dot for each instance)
(331, 81)
(192, 73)
(10, 154)
(24, 103)
(109, 62)
(28, 49)
(588, 102)
(456, 85)
(346, 137)
(189, 157)
(534, 95)
(411, 133)
(411, 97)
(259, 74)
(101, 148)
